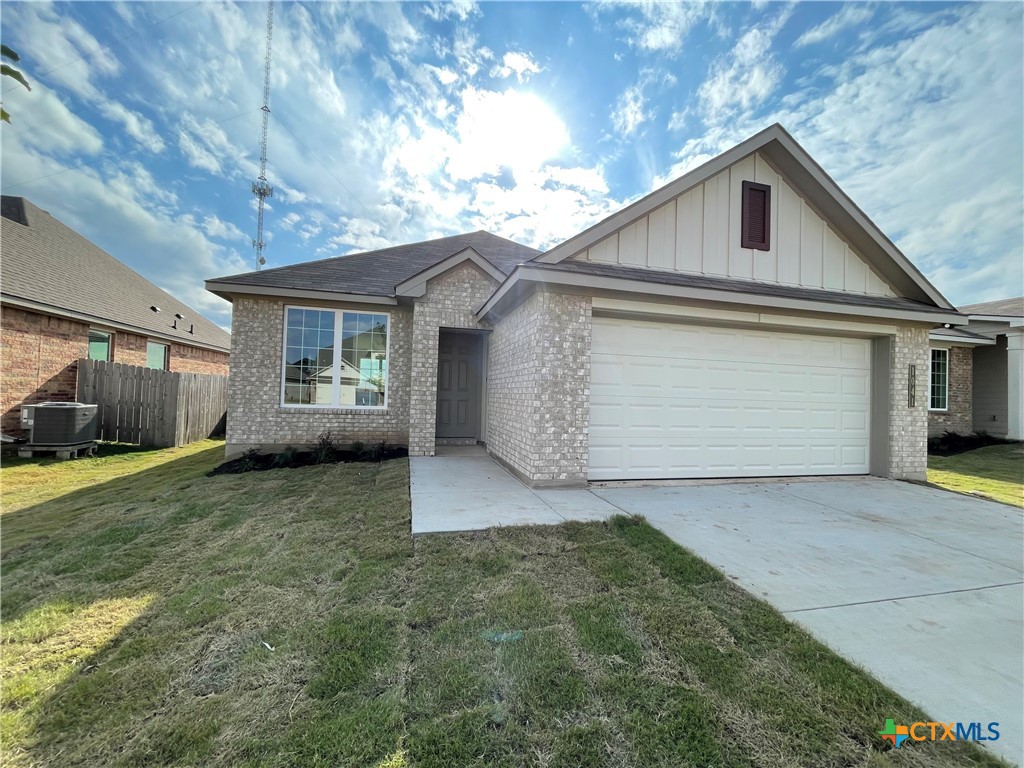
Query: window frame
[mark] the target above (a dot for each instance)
(931, 374)
(110, 344)
(339, 320)
(167, 355)
(745, 241)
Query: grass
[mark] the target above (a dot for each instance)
(995, 472)
(153, 615)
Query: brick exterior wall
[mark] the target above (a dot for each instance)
(40, 356)
(449, 302)
(959, 417)
(38, 360)
(538, 392)
(256, 418)
(908, 427)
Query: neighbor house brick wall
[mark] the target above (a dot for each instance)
(38, 360)
(959, 417)
(449, 302)
(908, 426)
(538, 390)
(256, 417)
(40, 356)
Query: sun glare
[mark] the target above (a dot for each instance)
(513, 129)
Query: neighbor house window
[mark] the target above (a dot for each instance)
(157, 355)
(335, 358)
(756, 216)
(939, 385)
(99, 345)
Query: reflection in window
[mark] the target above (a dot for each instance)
(317, 371)
(99, 345)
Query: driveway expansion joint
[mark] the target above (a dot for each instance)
(903, 597)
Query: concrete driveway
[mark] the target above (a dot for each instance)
(921, 587)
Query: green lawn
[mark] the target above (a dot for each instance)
(996, 472)
(155, 616)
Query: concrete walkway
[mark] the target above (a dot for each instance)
(922, 587)
(462, 489)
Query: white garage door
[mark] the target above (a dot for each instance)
(676, 401)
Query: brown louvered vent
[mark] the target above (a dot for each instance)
(757, 207)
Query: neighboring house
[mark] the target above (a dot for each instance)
(977, 372)
(63, 298)
(745, 320)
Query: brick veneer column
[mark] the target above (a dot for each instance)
(908, 426)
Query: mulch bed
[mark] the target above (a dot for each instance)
(259, 462)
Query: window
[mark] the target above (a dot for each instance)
(939, 383)
(757, 210)
(157, 355)
(335, 358)
(99, 345)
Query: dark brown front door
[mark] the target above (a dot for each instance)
(458, 384)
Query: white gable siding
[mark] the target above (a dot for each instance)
(699, 233)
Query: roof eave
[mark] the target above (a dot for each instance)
(227, 290)
(138, 330)
(589, 282)
(416, 285)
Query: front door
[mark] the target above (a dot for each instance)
(458, 385)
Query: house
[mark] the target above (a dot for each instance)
(977, 372)
(745, 320)
(62, 298)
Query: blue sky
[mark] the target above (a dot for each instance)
(400, 122)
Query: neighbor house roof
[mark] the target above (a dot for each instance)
(48, 267)
(375, 273)
(1000, 308)
(806, 175)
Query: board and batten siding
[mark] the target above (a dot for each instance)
(699, 232)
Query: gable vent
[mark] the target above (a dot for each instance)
(757, 206)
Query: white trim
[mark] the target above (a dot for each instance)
(526, 273)
(225, 290)
(938, 336)
(334, 406)
(136, 330)
(416, 285)
(776, 139)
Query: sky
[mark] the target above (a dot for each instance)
(393, 123)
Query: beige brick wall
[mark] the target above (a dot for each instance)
(908, 426)
(538, 391)
(256, 417)
(959, 417)
(449, 302)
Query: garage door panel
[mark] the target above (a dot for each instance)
(691, 401)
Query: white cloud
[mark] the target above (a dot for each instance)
(450, 9)
(518, 64)
(224, 230)
(850, 15)
(629, 112)
(45, 123)
(135, 125)
(659, 26)
(290, 220)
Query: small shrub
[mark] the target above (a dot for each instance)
(358, 448)
(286, 458)
(251, 460)
(324, 449)
(952, 443)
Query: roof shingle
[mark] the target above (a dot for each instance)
(1001, 308)
(376, 273)
(46, 262)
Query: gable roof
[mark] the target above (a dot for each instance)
(49, 267)
(376, 273)
(1000, 308)
(776, 144)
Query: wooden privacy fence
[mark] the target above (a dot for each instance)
(150, 407)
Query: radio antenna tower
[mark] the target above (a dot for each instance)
(261, 187)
